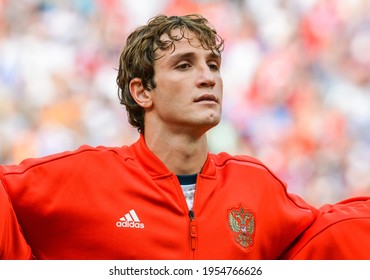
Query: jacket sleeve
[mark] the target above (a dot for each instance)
(340, 232)
(13, 245)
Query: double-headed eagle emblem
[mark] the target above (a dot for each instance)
(242, 225)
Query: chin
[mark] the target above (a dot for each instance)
(212, 123)
(215, 119)
(205, 122)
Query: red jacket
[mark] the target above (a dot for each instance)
(123, 203)
(340, 232)
(12, 242)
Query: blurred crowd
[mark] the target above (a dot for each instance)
(296, 83)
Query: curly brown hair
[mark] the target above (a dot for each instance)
(138, 55)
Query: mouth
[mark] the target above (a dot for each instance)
(206, 98)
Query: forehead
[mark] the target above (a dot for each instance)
(180, 41)
(180, 33)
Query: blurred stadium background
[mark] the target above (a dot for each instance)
(296, 75)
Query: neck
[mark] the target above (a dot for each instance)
(181, 153)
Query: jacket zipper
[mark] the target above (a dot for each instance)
(192, 227)
(193, 231)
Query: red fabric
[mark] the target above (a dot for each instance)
(341, 232)
(12, 243)
(69, 205)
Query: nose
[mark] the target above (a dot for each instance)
(207, 77)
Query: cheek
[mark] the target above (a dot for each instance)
(173, 92)
(220, 83)
(169, 99)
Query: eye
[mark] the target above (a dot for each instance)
(213, 66)
(183, 66)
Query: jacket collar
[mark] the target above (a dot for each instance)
(156, 168)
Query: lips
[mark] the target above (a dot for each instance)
(206, 97)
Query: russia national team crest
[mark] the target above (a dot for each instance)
(242, 225)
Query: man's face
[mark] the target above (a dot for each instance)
(188, 93)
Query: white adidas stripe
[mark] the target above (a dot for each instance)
(130, 216)
(133, 214)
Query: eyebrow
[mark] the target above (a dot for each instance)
(188, 55)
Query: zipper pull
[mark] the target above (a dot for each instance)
(193, 229)
(191, 215)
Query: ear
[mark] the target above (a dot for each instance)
(140, 94)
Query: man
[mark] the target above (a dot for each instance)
(165, 196)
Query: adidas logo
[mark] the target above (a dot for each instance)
(130, 220)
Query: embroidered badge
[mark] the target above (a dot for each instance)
(242, 225)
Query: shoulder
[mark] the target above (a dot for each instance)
(341, 231)
(224, 157)
(260, 178)
(247, 168)
(81, 157)
(39, 177)
(223, 160)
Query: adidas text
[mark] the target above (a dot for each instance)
(130, 220)
(127, 224)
